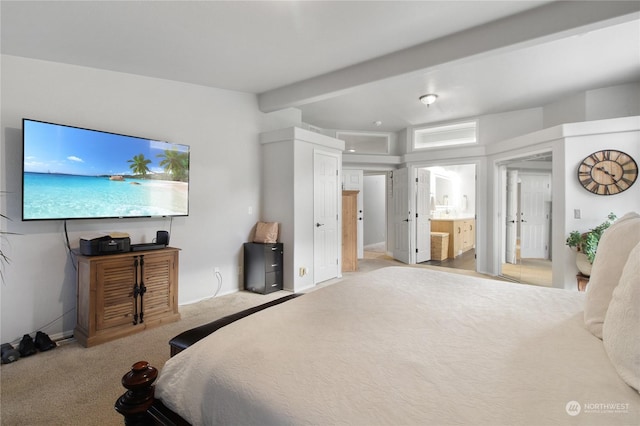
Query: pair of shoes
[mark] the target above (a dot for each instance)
(27, 347)
(8, 353)
(43, 342)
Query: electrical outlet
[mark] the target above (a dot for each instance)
(576, 213)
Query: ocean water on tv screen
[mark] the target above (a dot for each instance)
(60, 196)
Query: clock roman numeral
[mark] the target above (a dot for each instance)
(595, 158)
(629, 182)
(587, 181)
(594, 187)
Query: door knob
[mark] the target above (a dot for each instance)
(319, 225)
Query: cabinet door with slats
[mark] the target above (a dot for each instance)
(115, 281)
(159, 273)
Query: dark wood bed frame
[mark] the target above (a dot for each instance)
(138, 404)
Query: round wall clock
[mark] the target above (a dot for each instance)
(607, 172)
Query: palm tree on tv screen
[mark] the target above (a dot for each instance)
(175, 163)
(139, 165)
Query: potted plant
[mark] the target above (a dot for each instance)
(586, 244)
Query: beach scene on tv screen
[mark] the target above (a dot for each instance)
(79, 173)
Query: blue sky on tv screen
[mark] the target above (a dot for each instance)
(52, 148)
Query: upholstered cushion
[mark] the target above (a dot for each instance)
(613, 251)
(621, 328)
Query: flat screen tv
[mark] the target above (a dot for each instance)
(74, 173)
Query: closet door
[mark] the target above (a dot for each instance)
(326, 202)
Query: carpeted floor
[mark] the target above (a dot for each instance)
(73, 385)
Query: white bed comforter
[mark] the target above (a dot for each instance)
(404, 346)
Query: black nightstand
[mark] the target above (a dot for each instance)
(263, 267)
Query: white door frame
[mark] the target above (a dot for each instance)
(499, 202)
(353, 179)
(511, 216)
(412, 200)
(422, 215)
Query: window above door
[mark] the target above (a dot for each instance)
(461, 133)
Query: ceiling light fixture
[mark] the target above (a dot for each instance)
(428, 99)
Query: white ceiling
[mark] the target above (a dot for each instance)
(346, 64)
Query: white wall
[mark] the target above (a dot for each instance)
(598, 104)
(567, 110)
(611, 102)
(498, 127)
(594, 208)
(222, 129)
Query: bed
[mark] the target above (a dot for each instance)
(414, 346)
(467, 351)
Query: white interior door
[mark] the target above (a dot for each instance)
(325, 211)
(535, 193)
(423, 217)
(401, 216)
(512, 217)
(354, 180)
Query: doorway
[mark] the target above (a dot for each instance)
(526, 192)
(452, 213)
(375, 214)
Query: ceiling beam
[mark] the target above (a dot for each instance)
(546, 23)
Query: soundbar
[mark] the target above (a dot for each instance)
(147, 246)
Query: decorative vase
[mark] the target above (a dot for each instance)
(583, 264)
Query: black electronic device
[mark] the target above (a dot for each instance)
(162, 237)
(147, 246)
(104, 244)
(91, 174)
